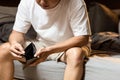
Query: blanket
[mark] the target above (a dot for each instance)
(7, 22)
(106, 41)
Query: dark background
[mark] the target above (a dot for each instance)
(113, 4)
(12, 3)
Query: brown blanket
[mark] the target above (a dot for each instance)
(106, 41)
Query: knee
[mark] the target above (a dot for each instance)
(4, 51)
(75, 56)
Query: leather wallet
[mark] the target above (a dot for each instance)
(30, 50)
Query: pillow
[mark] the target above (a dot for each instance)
(7, 17)
(6, 29)
(7, 21)
(106, 41)
(7, 14)
(102, 18)
(8, 10)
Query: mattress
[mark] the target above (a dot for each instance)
(97, 68)
(103, 68)
(48, 70)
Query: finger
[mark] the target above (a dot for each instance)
(17, 48)
(18, 57)
(37, 54)
(15, 55)
(20, 48)
(15, 51)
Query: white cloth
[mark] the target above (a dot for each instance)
(103, 68)
(69, 18)
(97, 68)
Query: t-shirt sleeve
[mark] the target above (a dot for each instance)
(22, 21)
(79, 20)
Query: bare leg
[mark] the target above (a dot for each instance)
(74, 59)
(6, 63)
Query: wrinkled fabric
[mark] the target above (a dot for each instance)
(6, 29)
(106, 41)
(102, 18)
(6, 26)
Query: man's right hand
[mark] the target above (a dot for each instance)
(17, 50)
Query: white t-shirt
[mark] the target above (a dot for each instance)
(69, 18)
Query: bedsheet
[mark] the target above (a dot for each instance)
(97, 68)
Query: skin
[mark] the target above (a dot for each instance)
(73, 56)
(48, 4)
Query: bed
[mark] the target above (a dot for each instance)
(101, 65)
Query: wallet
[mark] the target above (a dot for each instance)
(30, 50)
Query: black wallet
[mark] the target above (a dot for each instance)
(30, 50)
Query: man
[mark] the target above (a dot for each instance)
(62, 26)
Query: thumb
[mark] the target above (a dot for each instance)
(37, 54)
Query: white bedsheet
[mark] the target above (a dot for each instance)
(103, 68)
(97, 68)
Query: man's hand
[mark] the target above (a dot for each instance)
(42, 54)
(17, 51)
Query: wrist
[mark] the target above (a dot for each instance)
(50, 49)
(13, 42)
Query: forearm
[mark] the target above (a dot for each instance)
(16, 37)
(72, 42)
